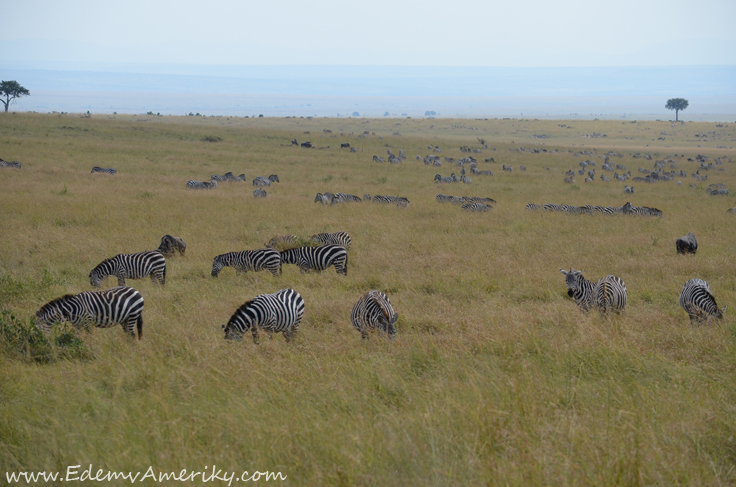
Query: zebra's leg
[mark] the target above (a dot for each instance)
(254, 331)
(121, 280)
(287, 335)
(129, 328)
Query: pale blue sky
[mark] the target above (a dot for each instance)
(377, 32)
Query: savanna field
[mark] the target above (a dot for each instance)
(495, 376)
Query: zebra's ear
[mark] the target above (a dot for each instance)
(563, 271)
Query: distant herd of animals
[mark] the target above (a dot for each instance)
(283, 310)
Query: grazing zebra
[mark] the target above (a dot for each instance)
(570, 180)
(170, 245)
(336, 238)
(373, 311)
(399, 201)
(440, 179)
(249, 260)
(699, 302)
(12, 164)
(338, 198)
(628, 189)
(533, 207)
(228, 177)
(259, 193)
(570, 209)
(281, 311)
(282, 242)
(261, 181)
(133, 266)
(475, 206)
(507, 168)
(211, 184)
(104, 170)
(484, 173)
(687, 244)
(322, 198)
(119, 305)
(317, 258)
(443, 198)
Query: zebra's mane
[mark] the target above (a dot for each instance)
(54, 303)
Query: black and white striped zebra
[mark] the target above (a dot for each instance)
(533, 207)
(399, 201)
(249, 260)
(317, 258)
(440, 179)
(325, 199)
(475, 206)
(640, 210)
(170, 245)
(373, 311)
(443, 198)
(104, 170)
(119, 305)
(211, 184)
(339, 198)
(228, 176)
(259, 193)
(132, 266)
(608, 294)
(335, 238)
(697, 299)
(281, 312)
(10, 164)
(283, 242)
(260, 181)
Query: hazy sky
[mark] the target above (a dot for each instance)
(375, 32)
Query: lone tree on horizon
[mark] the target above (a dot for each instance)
(10, 90)
(676, 104)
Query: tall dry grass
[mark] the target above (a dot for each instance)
(495, 377)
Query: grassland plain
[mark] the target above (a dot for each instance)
(495, 377)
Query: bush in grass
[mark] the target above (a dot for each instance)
(27, 342)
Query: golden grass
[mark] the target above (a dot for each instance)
(494, 378)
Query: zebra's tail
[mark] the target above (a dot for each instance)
(139, 326)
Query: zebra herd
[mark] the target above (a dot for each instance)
(626, 209)
(339, 198)
(258, 182)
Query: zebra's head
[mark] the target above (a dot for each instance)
(573, 280)
(217, 266)
(52, 312)
(100, 272)
(231, 332)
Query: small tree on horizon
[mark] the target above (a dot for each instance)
(10, 90)
(676, 104)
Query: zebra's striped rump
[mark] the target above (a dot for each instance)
(699, 302)
(248, 260)
(336, 238)
(119, 305)
(132, 266)
(281, 311)
(317, 258)
(104, 170)
(373, 311)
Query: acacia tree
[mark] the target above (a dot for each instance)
(676, 104)
(10, 90)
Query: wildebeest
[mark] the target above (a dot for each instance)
(306, 144)
(687, 244)
(344, 145)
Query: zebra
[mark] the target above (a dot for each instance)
(507, 168)
(228, 177)
(281, 242)
(374, 311)
(697, 299)
(484, 173)
(281, 311)
(104, 170)
(118, 305)
(317, 258)
(323, 198)
(608, 294)
(211, 184)
(388, 200)
(475, 206)
(338, 198)
(533, 207)
(336, 238)
(260, 181)
(640, 210)
(443, 198)
(259, 193)
(687, 244)
(170, 245)
(465, 180)
(133, 266)
(440, 179)
(628, 189)
(11, 164)
(249, 260)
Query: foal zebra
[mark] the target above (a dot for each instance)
(248, 260)
(337, 238)
(281, 311)
(317, 258)
(282, 242)
(211, 184)
(608, 294)
(104, 170)
(170, 245)
(132, 266)
(374, 311)
(698, 301)
(119, 305)
(259, 193)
